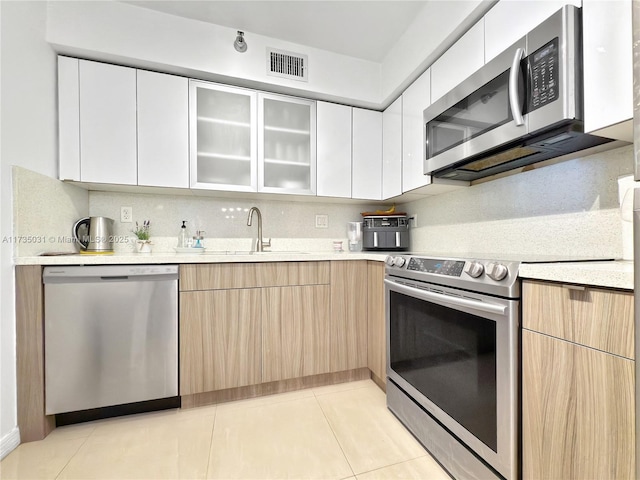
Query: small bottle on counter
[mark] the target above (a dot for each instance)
(198, 239)
(183, 237)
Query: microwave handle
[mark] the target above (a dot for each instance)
(514, 101)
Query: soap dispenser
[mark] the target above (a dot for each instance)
(183, 238)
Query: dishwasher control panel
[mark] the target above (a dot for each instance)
(50, 274)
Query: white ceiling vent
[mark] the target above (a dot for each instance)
(287, 64)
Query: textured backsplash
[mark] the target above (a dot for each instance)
(44, 210)
(571, 208)
(291, 224)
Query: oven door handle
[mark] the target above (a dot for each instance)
(448, 299)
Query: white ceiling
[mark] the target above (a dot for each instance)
(363, 29)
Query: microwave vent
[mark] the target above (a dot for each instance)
(287, 64)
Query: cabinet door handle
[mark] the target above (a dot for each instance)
(579, 288)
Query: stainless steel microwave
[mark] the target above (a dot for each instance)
(522, 107)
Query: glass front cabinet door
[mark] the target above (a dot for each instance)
(223, 132)
(286, 145)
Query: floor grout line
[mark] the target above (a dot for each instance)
(262, 405)
(394, 464)
(213, 429)
(326, 419)
(340, 391)
(84, 441)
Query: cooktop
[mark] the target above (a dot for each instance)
(495, 274)
(513, 257)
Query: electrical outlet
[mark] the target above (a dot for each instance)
(414, 218)
(322, 221)
(126, 214)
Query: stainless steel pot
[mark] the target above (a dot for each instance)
(94, 234)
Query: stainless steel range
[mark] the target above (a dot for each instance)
(453, 359)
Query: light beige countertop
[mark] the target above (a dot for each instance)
(613, 274)
(206, 257)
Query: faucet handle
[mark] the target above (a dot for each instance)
(266, 242)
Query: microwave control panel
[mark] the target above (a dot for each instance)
(543, 67)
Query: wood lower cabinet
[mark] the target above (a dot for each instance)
(220, 339)
(30, 368)
(376, 331)
(578, 402)
(276, 326)
(348, 315)
(253, 323)
(295, 332)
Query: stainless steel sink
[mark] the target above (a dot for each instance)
(246, 252)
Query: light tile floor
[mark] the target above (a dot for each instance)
(336, 432)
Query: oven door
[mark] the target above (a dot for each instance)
(456, 354)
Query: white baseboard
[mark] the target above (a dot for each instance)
(9, 442)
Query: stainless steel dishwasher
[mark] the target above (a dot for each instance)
(111, 335)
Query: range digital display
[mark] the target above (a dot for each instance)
(452, 268)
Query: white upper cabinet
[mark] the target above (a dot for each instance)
(163, 130)
(392, 150)
(68, 119)
(107, 123)
(242, 140)
(286, 145)
(333, 124)
(509, 21)
(608, 68)
(223, 132)
(367, 154)
(458, 62)
(414, 100)
(119, 125)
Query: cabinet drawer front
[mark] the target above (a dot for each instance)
(216, 276)
(594, 317)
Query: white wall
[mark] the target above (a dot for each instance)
(137, 36)
(130, 35)
(28, 132)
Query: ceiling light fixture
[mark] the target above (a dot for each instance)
(240, 45)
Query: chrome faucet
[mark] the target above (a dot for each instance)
(260, 242)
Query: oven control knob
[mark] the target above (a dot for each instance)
(390, 261)
(399, 261)
(474, 269)
(497, 271)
